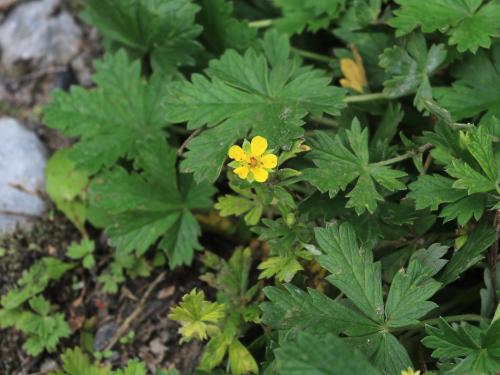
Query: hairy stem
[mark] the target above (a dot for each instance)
(260, 24)
(365, 97)
(406, 155)
(325, 121)
(449, 319)
(313, 55)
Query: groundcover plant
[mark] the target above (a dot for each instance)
(330, 169)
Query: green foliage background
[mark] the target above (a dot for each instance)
(382, 215)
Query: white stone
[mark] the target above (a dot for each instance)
(22, 167)
(33, 32)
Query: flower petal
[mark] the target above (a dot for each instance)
(353, 72)
(258, 145)
(237, 153)
(269, 161)
(260, 174)
(242, 172)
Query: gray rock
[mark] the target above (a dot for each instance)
(33, 32)
(22, 166)
(104, 335)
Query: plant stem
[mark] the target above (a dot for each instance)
(405, 156)
(365, 97)
(325, 121)
(313, 55)
(259, 24)
(449, 319)
(459, 125)
(181, 149)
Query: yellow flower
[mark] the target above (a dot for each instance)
(354, 73)
(410, 371)
(252, 162)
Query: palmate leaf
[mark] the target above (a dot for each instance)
(293, 310)
(267, 93)
(384, 351)
(75, 362)
(474, 90)
(34, 281)
(486, 176)
(470, 24)
(471, 253)
(311, 15)
(362, 316)
(431, 191)
(410, 64)
(220, 29)
(409, 293)
(44, 331)
(196, 315)
(477, 350)
(112, 118)
(473, 161)
(152, 204)
(163, 29)
(312, 355)
(352, 269)
(342, 161)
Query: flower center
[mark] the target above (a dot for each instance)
(254, 162)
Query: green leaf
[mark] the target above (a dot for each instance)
(66, 187)
(75, 362)
(40, 305)
(162, 29)
(220, 29)
(280, 236)
(241, 360)
(431, 258)
(388, 126)
(433, 190)
(232, 279)
(473, 92)
(471, 253)
(268, 93)
(310, 15)
(352, 269)
(470, 24)
(237, 205)
(133, 367)
(35, 280)
(44, 331)
(214, 352)
(282, 268)
(477, 349)
(340, 162)
(152, 204)
(388, 354)
(409, 293)
(329, 355)
(465, 209)
(468, 178)
(410, 64)
(291, 309)
(479, 143)
(196, 315)
(111, 119)
(80, 250)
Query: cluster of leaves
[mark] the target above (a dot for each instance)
(76, 362)
(383, 207)
(43, 328)
(227, 319)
